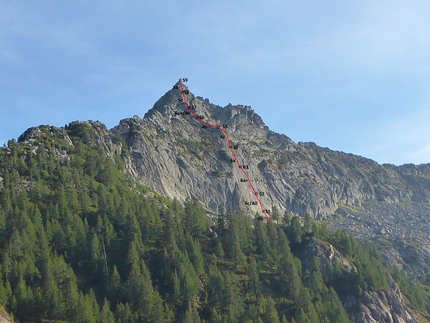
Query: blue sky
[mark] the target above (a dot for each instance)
(351, 76)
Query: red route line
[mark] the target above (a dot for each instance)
(229, 146)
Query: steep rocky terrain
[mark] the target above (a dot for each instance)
(301, 178)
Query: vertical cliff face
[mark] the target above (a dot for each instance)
(172, 153)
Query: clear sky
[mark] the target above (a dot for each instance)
(349, 75)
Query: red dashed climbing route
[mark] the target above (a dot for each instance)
(230, 146)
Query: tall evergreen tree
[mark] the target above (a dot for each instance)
(254, 285)
(270, 314)
(232, 303)
(106, 315)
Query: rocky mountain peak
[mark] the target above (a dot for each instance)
(240, 119)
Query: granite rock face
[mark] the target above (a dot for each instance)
(171, 152)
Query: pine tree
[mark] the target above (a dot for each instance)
(217, 248)
(196, 221)
(132, 255)
(232, 304)
(234, 251)
(335, 310)
(176, 286)
(254, 285)
(85, 311)
(306, 303)
(3, 293)
(272, 234)
(191, 314)
(24, 299)
(145, 300)
(215, 288)
(196, 256)
(115, 288)
(221, 223)
(308, 222)
(188, 279)
(302, 317)
(270, 315)
(261, 239)
(3, 224)
(295, 231)
(96, 260)
(215, 316)
(290, 283)
(315, 280)
(106, 316)
(170, 230)
(123, 313)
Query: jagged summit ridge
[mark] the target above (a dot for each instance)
(241, 119)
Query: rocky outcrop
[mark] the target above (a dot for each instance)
(387, 306)
(380, 307)
(32, 135)
(4, 316)
(327, 256)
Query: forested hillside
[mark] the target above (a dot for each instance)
(80, 241)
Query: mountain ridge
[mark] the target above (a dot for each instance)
(273, 154)
(169, 151)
